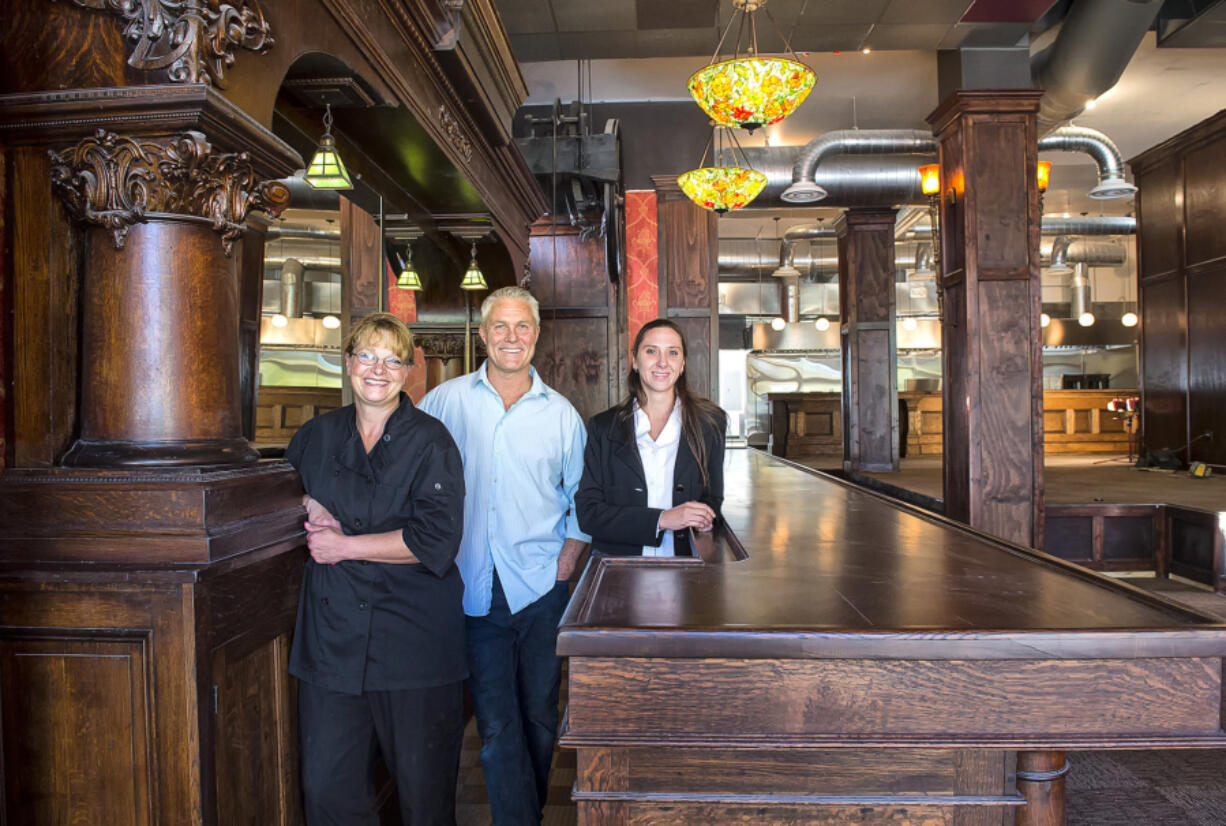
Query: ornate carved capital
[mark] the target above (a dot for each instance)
(195, 38)
(115, 181)
(447, 345)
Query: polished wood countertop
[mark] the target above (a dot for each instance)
(837, 571)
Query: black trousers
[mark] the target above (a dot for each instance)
(418, 731)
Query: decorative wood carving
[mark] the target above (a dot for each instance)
(195, 38)
(116, 181)
(455, 133)
(447, 346)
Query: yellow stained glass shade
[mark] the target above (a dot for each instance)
(474, 279)
(721, 188)
(409, 279)
(751, 91)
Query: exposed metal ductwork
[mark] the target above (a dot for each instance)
(1087, 56)
(293, 274)
(1101, 225)
(806, 189)
(800, 232)
(1066, 251)
(849, 180)
(1079, 291)
(749, 260)
(1107, 158)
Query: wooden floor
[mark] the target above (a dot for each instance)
(1079, 479)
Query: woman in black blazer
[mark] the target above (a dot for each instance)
(653, 466)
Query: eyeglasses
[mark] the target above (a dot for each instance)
(370, 360)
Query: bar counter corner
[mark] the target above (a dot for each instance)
(865, 662)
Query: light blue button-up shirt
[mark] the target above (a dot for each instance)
(521, 469)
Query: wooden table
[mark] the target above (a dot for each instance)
(867, 663)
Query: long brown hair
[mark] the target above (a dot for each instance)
(695, 410)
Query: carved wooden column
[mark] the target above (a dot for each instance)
(870, 353)
(1040, 779)
(688, 262)
(993, 369)
(160, 327)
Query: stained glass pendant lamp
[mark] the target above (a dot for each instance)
(474, 279)
(722, 188)
(747, 90)
(327, 170)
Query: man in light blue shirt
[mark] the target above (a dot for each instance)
(522, 445)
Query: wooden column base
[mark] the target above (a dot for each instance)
(160, 454)
(1040, 779)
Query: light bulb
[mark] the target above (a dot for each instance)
(778, 323)
(1129, 319)
(279, 320)
(331, 322)
(909, 324)
(1044, 319)
(1086, 319)
(822, 324)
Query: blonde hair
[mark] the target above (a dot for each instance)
(511, 293)
(384, 328)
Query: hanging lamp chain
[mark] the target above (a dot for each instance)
(328, 119)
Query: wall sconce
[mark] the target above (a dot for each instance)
(327, 170)
(408, 279)
(930, 185)
(1043, 174)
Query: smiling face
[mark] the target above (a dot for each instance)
(379, 383)
(510, 335)
(660, 359)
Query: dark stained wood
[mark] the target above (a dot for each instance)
(806, 425)
(185, 375)
(582, 349)
(993, 472)
(1182, 267)
(46, 252)
(1040, 779)
(866, 663)
(250, 299)
(870, 353)
(361, 259)
(688, 245)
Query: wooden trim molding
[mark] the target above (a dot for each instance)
(196, 39)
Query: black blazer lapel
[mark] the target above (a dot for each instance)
(627, 454)
(685, 472)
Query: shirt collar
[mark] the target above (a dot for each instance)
(538, 388)
(642, 425)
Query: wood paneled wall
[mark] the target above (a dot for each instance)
(1181, 209)
(688, 271)
(582, 349)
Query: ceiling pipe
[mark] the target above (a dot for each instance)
(800, 232)
(1065, 251)
(849, 180)
(1106, 155)
(806, 189)
(1096, 40)
(1079, 292)
(740, 258)
(1100, 225)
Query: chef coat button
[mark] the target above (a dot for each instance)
(357, 523)
(386, 437)
(438, 486)
(680, 487)
(324, 601)
(362, 605)
(336, 472)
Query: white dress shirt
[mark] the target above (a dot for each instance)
(659, 457)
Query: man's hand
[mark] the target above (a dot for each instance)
(571, 549)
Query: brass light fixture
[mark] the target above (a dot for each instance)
(474, 279)
(930, 185)
(747, 90)
(408, 279)
(327, 170)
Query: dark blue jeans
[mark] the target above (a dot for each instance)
(513, 677)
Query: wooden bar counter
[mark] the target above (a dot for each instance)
(867, 663)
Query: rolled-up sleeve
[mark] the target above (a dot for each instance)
(433, 533)
(572, 474)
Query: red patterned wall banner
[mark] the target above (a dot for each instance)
(642, 258)
(403, 305)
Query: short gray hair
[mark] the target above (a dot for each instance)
(511, 293)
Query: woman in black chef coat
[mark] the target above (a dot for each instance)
(653, 465)
(379, 644)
